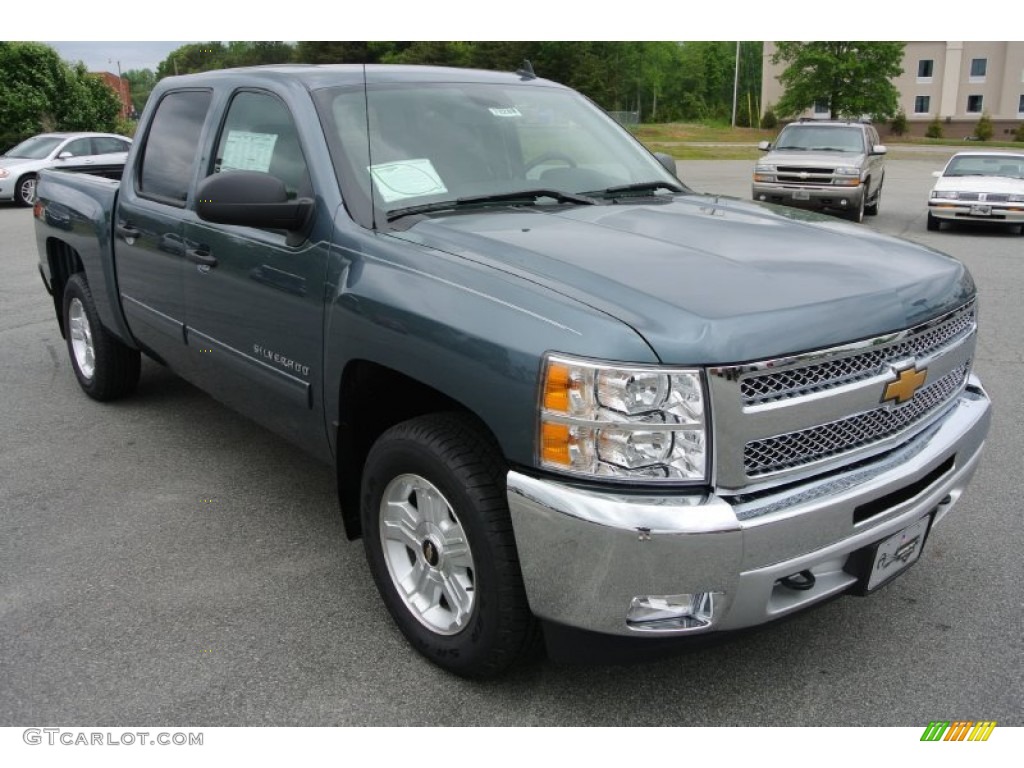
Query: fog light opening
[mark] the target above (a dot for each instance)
(842, 203)
(678, 613)
(799, 581)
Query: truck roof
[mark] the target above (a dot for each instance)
(315, 76)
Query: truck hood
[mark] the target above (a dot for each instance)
(709, 279)
(813, 159)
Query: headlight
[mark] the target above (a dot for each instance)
(622, 422)
(943, 194)
(4, 173)
(764, 172)
(847, 170)
(1016, 198)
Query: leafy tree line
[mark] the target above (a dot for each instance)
(664, 81)
(40, 92)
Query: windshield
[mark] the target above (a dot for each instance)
(812, 138)
(1010, 166)
(431, 143)
(35, 148)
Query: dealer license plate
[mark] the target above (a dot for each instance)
(897, 553)
(801, 194)
(981, 210)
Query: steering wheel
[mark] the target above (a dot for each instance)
(548, 157)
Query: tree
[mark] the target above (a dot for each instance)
(934, 130)
(852, 78)
(39, 92)
(140, 83)
(984, 130)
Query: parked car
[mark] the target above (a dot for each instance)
(20, 165)
(830, 165)
(981, 187)
(553, 383)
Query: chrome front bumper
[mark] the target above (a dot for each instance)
(1002, 213)
(586, 553)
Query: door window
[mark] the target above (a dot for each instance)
(107, 145)
(259, 134)
(172, 146)
(78, 148)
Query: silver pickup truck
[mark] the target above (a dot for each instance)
(559, 389)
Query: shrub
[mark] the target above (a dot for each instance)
(1019, 135)
(983, 130)
(934, 130)
(769, 120)
(899, 123)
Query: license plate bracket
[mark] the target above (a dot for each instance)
(801, 194)
(981, 210)
(878, 564)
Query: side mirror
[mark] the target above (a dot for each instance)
(64, 155)
(879, 149)
(764, 146)
(667, 161)
(937, 174)
(251, 199)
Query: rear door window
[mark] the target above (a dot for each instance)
(169, 157)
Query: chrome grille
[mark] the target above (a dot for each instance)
(805, 380)
(997, 197)
(827, 441)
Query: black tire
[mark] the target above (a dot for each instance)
(460, 461)
(25, 191)
(115, 370)
(857, 214)
(934, 225)
(872, 209)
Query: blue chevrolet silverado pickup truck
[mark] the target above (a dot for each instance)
(563, 394)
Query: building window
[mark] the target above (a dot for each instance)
(1020, 106)
(922, 104)
(974, 103)
(821, 108)
(978, 69)
(924, 70)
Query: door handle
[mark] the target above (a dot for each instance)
(201, 256)
(126, 231)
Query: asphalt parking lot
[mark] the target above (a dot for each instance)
(163, 560)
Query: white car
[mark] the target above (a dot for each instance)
(985, 187)
(19, 166)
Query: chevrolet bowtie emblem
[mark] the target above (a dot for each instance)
(908, 381)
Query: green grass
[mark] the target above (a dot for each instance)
(703, 151)
(982, 145)
(689, 132)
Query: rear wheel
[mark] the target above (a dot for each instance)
(934, 225)
(106, 369)
(25, 192)
(439, 543)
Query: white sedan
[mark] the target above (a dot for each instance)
(19, 166)
(985, 187)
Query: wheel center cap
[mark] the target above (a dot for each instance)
(431, 553)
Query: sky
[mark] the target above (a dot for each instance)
(104, 56)
(462, 20)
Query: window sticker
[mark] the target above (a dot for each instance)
(248, 151)
(505, 112)
(406, 178)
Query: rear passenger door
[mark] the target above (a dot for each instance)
(148, 228)
(255, 296)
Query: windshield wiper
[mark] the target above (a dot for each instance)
(524, 195)
(832, 149)
(641, 186)
(792, 149)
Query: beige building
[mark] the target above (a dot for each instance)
(954, 81)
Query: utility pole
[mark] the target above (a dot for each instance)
(735, 83)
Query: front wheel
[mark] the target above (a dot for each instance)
(934, 225)
(25, 192)
(106, 369)
(440, 546)
(872, 210)
(857, 214)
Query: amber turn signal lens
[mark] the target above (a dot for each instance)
(555, 443)
(557, 384)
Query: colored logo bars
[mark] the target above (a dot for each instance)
(959, 730)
